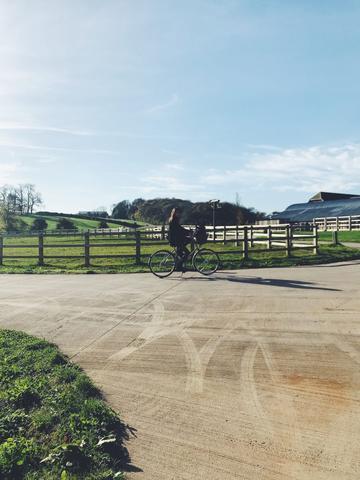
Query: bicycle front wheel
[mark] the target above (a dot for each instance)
(162, 263)
(206, 261)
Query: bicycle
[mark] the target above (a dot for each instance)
(204, 260)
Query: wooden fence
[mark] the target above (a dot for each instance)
(344, 223)
(257, 238)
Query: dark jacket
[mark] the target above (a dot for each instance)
(178, 235)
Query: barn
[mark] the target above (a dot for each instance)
(321, 205)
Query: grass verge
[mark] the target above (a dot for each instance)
(53, 421)
(230, 259)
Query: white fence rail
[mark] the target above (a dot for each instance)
(281, 236)
(343, 223)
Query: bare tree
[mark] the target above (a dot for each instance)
(32, 198)
(19, 192)
(19, 200)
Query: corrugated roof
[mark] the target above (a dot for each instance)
(306, 212)
(326, 196)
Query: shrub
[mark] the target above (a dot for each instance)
(65, 224)
(103, 224)
(39, 225)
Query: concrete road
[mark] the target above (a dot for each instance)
(251, 375)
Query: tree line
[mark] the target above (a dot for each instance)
(24, 198)
(157, 211)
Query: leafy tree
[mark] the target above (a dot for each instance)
(157, 211)
(39, 225)
(121, 209)
(134, 207)
(8, 222)
(65, 224)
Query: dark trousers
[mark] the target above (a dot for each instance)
(181, 251)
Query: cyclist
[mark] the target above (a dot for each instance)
(178, 236)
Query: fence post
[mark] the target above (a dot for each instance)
(288, 240)
(335, 238)
(237, 236)
(224, 233)
(269, 237)
(246, 244)
(137, 247)
(214, 233)
(315, 240)
(87, 249)
(1, 249)
(163, 232)
(251, 236)
(41, 250)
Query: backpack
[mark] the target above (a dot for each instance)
(201, 234)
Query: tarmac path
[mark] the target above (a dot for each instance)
(250, 375)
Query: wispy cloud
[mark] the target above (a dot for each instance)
(14, 127)
(301, 169)
(44, 129)
(9, 172)
(164, 106)
(175, 166)
(29, 146)
(168, 184)
(176, 181)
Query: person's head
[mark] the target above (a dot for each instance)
(175, 214)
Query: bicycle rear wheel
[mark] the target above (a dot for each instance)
(206, 261)
(162, 263)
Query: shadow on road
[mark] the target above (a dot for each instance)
(271, 282)
(343, 264)
(118, 450)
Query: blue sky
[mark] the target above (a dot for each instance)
(103, 100)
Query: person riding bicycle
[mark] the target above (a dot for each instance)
(178, 236)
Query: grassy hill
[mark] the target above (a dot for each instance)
(79, 222)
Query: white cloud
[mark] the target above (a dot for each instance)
(300, 169)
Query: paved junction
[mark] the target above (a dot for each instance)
(250, 375)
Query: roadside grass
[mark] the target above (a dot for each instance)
(53, 421)
(230, 255)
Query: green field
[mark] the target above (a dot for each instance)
(353, 236)
(53, 421)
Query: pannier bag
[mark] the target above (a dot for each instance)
(201, 234)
